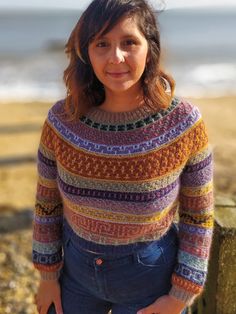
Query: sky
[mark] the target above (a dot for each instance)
(81, 4)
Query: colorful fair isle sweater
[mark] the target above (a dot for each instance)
(118, 179)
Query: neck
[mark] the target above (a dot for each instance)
(121, 102)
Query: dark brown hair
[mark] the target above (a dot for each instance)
(84, 90)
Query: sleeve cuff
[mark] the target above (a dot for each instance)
(47, 275)
(185, 296)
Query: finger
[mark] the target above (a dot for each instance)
(39, 308)
(148, 310)
(44, 309)
(58, 306)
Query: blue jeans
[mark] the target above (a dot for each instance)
(94, 284)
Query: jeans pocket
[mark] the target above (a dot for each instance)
(161, 252)
(152, 256)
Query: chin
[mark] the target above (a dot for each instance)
(120, 88)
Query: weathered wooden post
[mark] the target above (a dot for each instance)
(219, 296)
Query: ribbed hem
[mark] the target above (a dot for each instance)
(48, 275)
(183, 295)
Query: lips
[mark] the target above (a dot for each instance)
(117, 74)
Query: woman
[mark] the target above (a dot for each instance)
(117, 160)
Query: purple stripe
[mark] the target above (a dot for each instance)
(117, 196)
(200, 165)
(45, 160)
(47, 259)
(191, 274)
(125, 207)
(123, 149)
(199, 178)
(198, 230)
(48, 220)
(47, 172)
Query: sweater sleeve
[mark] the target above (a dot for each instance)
(195, 218)
(47, 223)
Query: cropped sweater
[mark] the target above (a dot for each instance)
(118, 179)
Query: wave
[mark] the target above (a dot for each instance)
(27, 92)
(40, 79)
(205, 80)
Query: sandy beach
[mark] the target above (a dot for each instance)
(20, 125)
(219, 116)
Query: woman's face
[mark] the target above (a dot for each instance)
(119, 57)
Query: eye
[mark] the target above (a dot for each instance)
(129, 42)
(102, 44)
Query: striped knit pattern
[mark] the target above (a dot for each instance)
(118, 179)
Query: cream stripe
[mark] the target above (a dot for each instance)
(200, 155)
(117, 186)
(46, 152)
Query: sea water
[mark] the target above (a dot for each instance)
(198, 49)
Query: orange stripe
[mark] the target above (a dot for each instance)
(145, 166)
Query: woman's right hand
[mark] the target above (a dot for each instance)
(49, 292)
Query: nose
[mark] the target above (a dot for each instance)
(117, 55)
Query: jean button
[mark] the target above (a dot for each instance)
(99, 261)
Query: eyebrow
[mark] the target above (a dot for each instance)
(123, 37)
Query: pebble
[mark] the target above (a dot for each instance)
(18, 278)
(3, 258)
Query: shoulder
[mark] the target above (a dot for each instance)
(54, 117)
(188, 124)
(186, 112)
(193, 126)
(55, 112)
(57, 108)
(186, 107)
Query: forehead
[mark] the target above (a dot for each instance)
(125, 26)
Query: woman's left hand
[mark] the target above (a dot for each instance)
(164, 305)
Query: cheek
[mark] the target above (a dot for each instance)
(141, 62)
(97, 68)
(96, 64)
(141, 58)
(93, 59)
